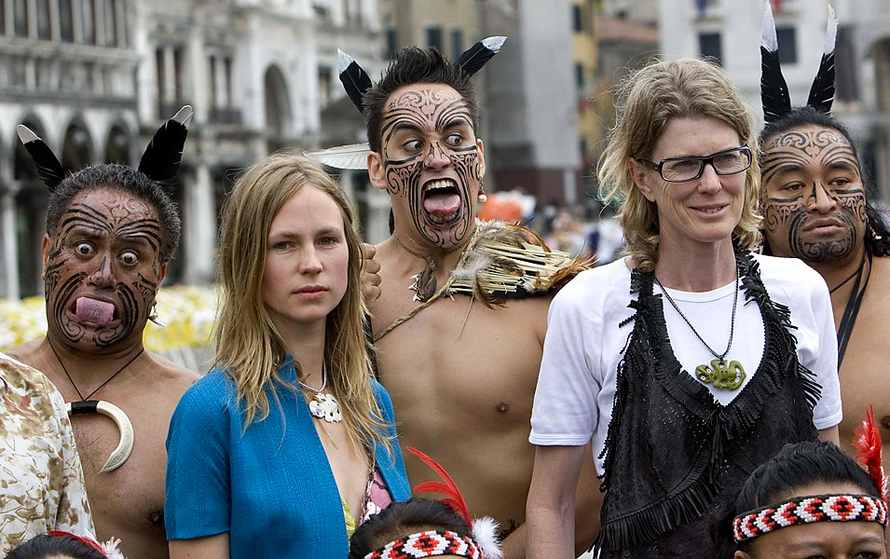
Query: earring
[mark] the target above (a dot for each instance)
(482, 197)
(153, 315)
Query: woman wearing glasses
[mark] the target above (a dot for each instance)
(692, 360)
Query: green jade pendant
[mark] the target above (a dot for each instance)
(722, 375)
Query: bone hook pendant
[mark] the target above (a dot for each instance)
(125, 446)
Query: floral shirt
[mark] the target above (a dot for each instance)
(41, 481)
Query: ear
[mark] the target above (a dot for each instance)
(44, 253)
(375, 170)
(481, 149)
(741, 555)
(162, 273)
(639, 176)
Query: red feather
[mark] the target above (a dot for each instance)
(867, 441)
(446, 487)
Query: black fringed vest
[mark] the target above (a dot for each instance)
(674, 458)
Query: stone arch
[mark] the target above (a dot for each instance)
(119, 145)
(278, 110)
(77, 146)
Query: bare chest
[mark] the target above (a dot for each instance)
(468, 357)
(864, 377)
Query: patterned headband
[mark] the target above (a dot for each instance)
(805, 510)
(428, 544)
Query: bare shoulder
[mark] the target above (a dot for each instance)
(172, 374)
(25, 352)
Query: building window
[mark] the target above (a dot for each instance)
(709, 46)
(110, 17)
(44, 30)
(214, 90)
(88, 22)
(457, 43)
(577, 19)
(391, 43)
(787, 37)
(434, 37)
(66, 21)
(20, 17)
(324, 86)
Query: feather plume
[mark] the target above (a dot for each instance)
(112, 551)
(49, 169)
(773, 89)
(352, 157)
(822, 90)
(474, 58)
(867, 441)
(161, 159)
(354, 79)
(485, 532)
(446, 487)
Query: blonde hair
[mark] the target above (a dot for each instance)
(248, 345)
(648, 99)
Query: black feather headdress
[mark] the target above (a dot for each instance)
(773, 89)
(356, 81)
(160, 161)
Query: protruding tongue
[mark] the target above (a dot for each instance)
(441, 204)
(91, 310)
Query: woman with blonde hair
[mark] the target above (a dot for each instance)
(288, 442)
(691, 360)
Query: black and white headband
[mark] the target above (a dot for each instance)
(773, 89)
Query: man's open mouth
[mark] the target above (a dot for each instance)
(441, 200)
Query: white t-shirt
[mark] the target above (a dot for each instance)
(584, 344)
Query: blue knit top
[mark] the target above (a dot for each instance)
(270, 487)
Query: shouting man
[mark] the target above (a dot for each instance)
(460, 322)
(110, 231)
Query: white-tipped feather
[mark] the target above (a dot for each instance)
(485, 532)
(349, 157)
(111, 549)
(768, 40)
(343, 61)
(830, 31)
(495, 43)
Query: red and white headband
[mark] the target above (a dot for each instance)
(806, 510)
(428, 544)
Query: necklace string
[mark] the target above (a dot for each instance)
(735, 300)
(324, 381)
(851, 310)
(98, 388)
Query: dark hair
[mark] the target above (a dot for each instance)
(402, 519)
(124, 179)
(46, 545)
(877, 234)
(795, 466)
(413, 65)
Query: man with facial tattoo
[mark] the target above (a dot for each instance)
(458, 351)
(816, 208)
(110, 231)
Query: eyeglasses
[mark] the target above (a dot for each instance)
(685, 169)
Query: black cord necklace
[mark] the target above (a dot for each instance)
(98, 388)
(722, 375)
(851, 310)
